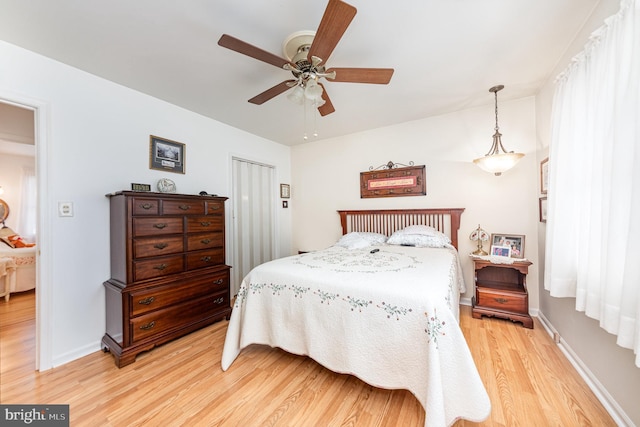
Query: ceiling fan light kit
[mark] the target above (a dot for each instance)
(306, 54)
(497, 160)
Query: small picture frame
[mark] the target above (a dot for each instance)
(544, 176)
(285, 191)
(543, 209)
(166, 155)
(501, 251)
(515, 242)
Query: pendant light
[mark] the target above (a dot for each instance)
(498, 160)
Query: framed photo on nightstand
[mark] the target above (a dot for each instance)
(514, 241)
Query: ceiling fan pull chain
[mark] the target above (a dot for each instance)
(305, 119)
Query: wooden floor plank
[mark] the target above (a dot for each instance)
(529, 381)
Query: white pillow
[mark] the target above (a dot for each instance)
(420, 236)
(357, 240)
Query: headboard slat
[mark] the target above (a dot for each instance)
(387, 221)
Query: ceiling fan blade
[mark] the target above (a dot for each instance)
(327, 107)
(337, 17)
(245, 48)
(362, 75)
(272, 93)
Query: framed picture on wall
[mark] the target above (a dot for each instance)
(544, 176)
(285, 191)
(543, 209)
(166, 155)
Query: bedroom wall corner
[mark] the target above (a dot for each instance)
(446, 145)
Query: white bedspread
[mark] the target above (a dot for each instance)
(390, 318)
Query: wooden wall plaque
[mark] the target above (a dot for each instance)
(396, 182)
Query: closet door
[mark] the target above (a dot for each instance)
(253, 236)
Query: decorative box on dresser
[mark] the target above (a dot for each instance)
(501, 291)
(168, 272)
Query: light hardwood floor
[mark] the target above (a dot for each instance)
(529, 381)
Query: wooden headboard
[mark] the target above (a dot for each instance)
(387, 221)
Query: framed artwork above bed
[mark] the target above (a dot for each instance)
(397, 182)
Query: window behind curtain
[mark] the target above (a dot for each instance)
(28, 205)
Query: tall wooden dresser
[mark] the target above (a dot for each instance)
(168, 272)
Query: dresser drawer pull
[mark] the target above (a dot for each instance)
(147, 300)
(160, 267)
(501, 300)
(218, 300)
(146, 206)
(160, 225)
(205, 241)
(214, 207)
(160, 245)
(148, 326)
(218, 282)
(184, 207)
(205, 259)
(205, 223)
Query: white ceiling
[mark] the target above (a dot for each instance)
(446, 53)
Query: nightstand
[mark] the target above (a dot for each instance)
(501, 291)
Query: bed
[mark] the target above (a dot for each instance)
(387, 314)
(20, 275)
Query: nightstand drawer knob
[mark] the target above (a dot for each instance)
(501, 300)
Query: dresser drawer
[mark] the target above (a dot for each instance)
(183, 207)
(506, 301)
(145, 206)
(157, 267)
(204, 241)
(209, 223)
(215, 207)
(157, 226)
(156, 322)
(206, 258)
(159, 297)
(157, 246)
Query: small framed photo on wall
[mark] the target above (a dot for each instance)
(285, 191)
(166, 155)
(544, 176)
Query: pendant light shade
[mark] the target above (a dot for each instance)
(497, 160)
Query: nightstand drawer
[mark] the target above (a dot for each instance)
(505, 301)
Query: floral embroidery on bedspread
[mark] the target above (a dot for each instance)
(357, 261)
(434, 327)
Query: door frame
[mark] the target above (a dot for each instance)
(44, 332)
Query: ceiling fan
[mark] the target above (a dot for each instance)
(308, 53)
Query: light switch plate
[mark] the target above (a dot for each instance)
(65, 208)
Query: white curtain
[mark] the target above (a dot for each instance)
(593, 226)
(26, 225)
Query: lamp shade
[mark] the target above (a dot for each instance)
(498, 163)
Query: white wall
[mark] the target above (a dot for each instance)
(326, 177)
(606, 365)
(97, 142)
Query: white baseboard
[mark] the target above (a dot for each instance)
(76, 354)
(609, 403)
